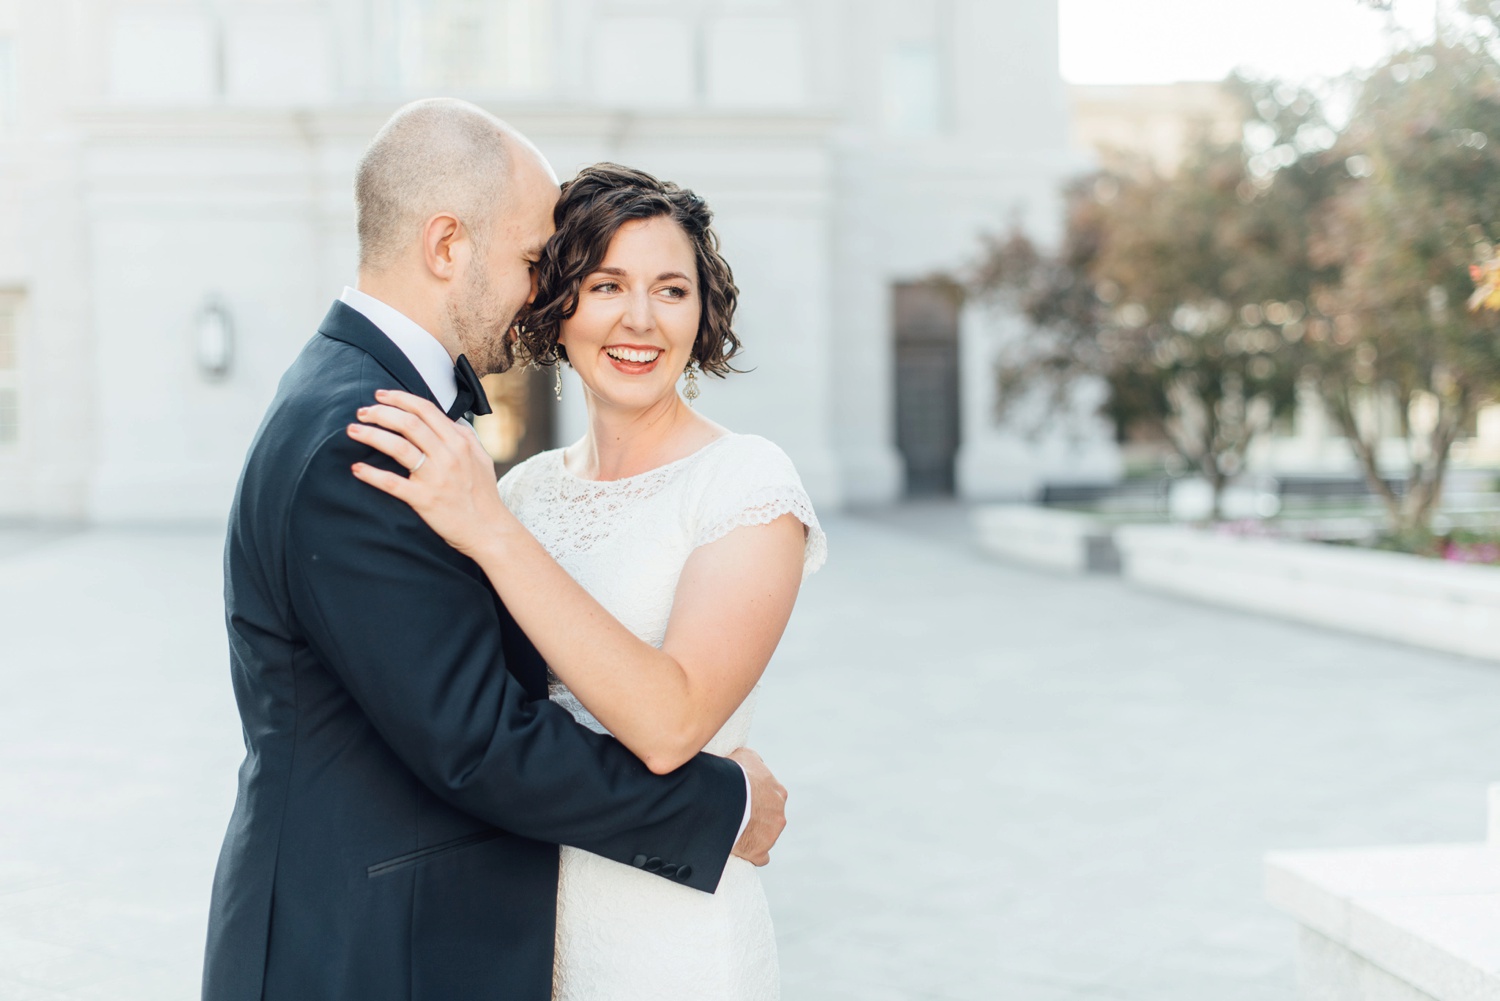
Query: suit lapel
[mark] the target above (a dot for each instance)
(347, 324)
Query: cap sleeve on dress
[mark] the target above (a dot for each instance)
(752, 482)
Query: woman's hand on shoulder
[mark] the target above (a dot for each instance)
(450, 479)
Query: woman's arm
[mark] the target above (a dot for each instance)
(733, 602)
(733, 599)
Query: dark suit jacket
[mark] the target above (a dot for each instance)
(406, 782)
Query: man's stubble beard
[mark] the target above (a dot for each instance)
(481, 322)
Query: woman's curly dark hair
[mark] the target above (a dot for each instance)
(593, 207)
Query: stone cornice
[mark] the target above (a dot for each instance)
(359, 122)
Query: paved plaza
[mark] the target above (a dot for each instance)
(1004, 784)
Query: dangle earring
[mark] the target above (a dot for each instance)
(557, 384)
(690, 383)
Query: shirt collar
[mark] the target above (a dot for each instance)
(426, 355)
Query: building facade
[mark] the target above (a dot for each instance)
(1127, 125)
(176, 213)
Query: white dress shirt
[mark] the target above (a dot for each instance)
(432, 363)
(426, 355)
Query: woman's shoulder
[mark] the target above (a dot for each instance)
(748, 453)
(750, 480)
(734, 466)
(529, 472)
(534, 465)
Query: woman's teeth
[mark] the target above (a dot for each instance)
(632, 355)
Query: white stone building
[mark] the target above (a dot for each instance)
(176, 212)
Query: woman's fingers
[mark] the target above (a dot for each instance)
(407, 425)
(424, 410)
(394, 484)
(476, 449)
(397, 447)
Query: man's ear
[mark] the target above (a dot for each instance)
(443, 237)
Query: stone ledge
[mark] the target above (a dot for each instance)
(1429, 916)
(1409, 923)
(1327, 971)
(1410, 599)
(1054, 540)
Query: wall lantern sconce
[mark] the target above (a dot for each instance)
(213, 336)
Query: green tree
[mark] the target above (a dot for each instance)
(1298, 256)
(1185, 294)
(1395, 353)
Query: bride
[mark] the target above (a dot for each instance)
(654, 563)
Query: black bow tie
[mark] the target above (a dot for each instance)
(472, 398)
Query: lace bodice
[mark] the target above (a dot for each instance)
(626, 541)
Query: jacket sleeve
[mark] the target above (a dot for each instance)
(411, 629)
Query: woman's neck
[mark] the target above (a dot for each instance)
(621, 443)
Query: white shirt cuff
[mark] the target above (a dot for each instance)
(746, 821)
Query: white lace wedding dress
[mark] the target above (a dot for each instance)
(624, 934)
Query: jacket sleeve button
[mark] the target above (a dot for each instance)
(669, 870)
(684, 871)
(653, 864)
(639, 861)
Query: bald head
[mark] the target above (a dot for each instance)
(433, 156)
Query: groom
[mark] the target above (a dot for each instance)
(406, 782)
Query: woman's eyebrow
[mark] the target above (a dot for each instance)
(621, 273)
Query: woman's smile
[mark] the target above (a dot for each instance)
(632, 359)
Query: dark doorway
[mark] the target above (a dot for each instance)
(927, 427)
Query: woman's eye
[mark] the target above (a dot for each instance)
(675, 292)
(605, 287)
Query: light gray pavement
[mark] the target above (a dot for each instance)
(1004, 784)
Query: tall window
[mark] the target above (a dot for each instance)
(914, 99)
(493, 46)
(10, 371)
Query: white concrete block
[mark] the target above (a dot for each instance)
(1445, 944)
(1409, 599)
(1326, 971)
(1056, 540)
(1299, 893)
(1401, 923)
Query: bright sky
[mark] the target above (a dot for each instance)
(1164, 41)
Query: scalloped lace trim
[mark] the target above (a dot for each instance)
(765, 509)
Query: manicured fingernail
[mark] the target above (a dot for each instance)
(363, 411)
(381, 394)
